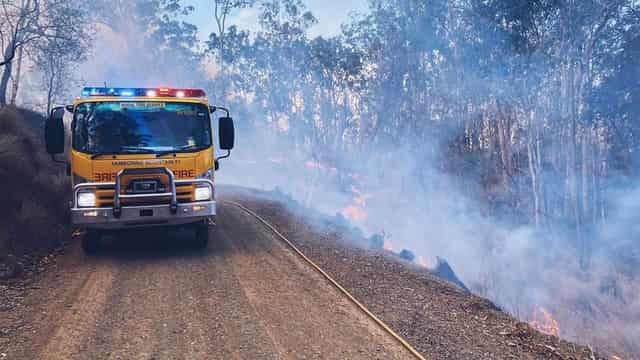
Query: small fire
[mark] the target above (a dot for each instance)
(388, 245)
(422, 261)
(360, 200)
(544, 322)
(615, 357)
(360, 197)
(355, 213)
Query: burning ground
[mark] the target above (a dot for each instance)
(442, 320)
(534, 279)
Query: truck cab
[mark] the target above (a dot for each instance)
(140, 157)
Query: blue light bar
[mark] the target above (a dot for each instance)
(142, 92)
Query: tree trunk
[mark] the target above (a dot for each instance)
(51, 83)
(575, 178)
(535, 169)
(6, 75)
(16, 79)
(503, 123)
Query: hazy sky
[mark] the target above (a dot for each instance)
(330, 14)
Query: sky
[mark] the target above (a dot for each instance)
(330, 14)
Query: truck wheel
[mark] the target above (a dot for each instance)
(91, 242)
(202, 236)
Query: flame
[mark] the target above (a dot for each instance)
(422, 261)
(544, 322)
(360, 196)
(360, 201)
(388, 245)
(615, 357)
(355, 213)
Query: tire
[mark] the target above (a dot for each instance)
(91, 242)
(202, 236)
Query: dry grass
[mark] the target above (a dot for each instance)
(36, 191)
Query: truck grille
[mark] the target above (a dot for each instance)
(184, 194)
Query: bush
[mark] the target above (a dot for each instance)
(376, 242)
(407, 255)
(36, 190)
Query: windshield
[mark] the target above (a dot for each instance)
(121, 127)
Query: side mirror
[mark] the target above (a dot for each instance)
(54, 131)
(226, 133)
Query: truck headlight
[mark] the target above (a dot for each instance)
(86, 199)
(203, 193)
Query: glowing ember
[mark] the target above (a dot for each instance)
(615, 357)
(544, 322)
(354, 213)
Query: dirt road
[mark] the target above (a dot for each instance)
(149, 297)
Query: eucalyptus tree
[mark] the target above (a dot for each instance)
(26, 22)
(221, 11)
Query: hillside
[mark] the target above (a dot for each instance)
(36, 193)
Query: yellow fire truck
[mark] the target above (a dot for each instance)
(140, 157)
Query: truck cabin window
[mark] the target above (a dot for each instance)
(140, 127)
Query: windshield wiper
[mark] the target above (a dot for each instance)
(173, 151)
(127, 150)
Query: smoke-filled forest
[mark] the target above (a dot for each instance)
(501, 135)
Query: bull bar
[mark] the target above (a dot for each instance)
(119, 216)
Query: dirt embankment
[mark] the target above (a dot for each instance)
(35, 193)
(441, 320)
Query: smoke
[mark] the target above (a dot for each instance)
(514, 265)
(411, 200)
(417, 205)
(143, 45)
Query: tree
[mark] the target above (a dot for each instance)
(16, 77)
(26, 22)
(56, 63)
(221, 10)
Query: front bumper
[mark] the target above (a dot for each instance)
(120, 216)
(143, 216)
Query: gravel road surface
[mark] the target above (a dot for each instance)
(152, 296)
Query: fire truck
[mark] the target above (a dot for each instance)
(140, 157)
